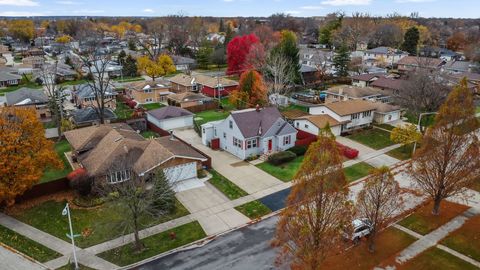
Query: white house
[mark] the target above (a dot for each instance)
(386, 113)
(251, 132)
(384, 55)
(352, 114)
(314, 123)
(170, 117)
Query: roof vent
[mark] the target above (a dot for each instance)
(118, 139)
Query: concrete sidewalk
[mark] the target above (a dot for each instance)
(11, 260)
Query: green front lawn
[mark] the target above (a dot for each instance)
(423, 222)
(148, 134)
(49, 124)
(97, 225)
(427, 120)
(385, 126)
(253, 209)
(155, 244)
(72, 267)
(152, 106)
(402, 153)
(357, 171)
(284, 172)
(123, 111)
(435, 258)
(129, 79)
(209, 116)
(228, 188)
(466, 239)
(373, 138)
(51, 174)
(226, 104)
(27, 246)
(75, 82)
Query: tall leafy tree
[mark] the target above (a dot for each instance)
(325, 33)
(251, 90)
(130, 67)
(237, 51)
(204, 55)
(448, 161)
(410, 41)
(22, 29)
(121, 57)
(379, 201)
(162, 66)
(341, 60)
(289, 50)
(24, 152)
(317, 208)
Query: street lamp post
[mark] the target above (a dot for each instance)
(419, 128)
(66, 212)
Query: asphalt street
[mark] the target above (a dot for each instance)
(247, 248)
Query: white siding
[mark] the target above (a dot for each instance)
(314, 130)
(172, 123)
(387, 118)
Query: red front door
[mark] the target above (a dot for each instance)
(269, 145)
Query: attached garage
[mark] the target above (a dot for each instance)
(170, 117)
(181, 172)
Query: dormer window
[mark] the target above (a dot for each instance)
(119, 177)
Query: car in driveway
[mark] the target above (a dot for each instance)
(360, 228)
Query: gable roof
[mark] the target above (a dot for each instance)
(354, 92)
(367, 77)
(142, 85)
(26, 96)
(85, 90)
(320, 121)
(385, 50)
(188, 96)
(252, 122)
(388, 83)
(348, 107)
(103, 147)
(420, 61)
(212, 82)
(381, 107)
(89, 114)
(168, 112)
(8, 76)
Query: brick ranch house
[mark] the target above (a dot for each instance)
(210, 86)
(113, 152)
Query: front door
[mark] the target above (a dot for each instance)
(270, 145)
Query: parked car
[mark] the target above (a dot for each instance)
(361, 228)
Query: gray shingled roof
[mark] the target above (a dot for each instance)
(89, 115)
(85, 90)
(169, 112)
(7, 76)
(254, 123)
(35, 96)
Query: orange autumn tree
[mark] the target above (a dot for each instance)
(317, 210)
(448, 161)
(251, 91)
(24, 152)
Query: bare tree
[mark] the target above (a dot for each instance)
(378, 201)
(317, 208)
(153, 45)
(48, 76)
(448, 160)
(97, 64)
(138, 196)
(278, 74)
(423, 91)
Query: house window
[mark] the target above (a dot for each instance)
(367, 114)
(149, 100)
(224, 135)
(230, 124)
(215, 132)
(287, 140)
(306, 126)
(147, 90)
(298, 124)
(118, 177)
(252, 144)
(355, 115)
(238, 143)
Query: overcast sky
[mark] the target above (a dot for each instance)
(303, 8)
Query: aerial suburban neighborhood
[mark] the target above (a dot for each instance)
(337, 134)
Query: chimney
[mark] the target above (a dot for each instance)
(257, 108)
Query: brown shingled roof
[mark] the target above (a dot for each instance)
(348, 107)
(321, 121)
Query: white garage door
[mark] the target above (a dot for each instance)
(181, 172)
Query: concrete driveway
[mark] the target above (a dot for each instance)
(243, 174)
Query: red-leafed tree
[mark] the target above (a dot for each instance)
(237, 51)
(250, 92)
